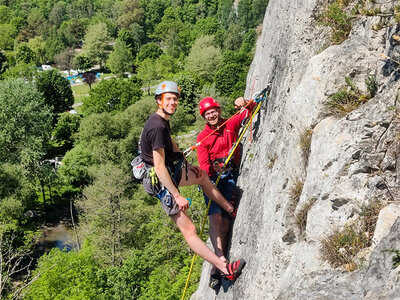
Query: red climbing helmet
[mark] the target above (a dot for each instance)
(206, 103)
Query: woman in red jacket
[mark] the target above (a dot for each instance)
(212, 153)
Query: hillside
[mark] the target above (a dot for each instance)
(324, 159)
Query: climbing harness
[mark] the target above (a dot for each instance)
(258, 99)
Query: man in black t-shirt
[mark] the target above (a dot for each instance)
(158, 149)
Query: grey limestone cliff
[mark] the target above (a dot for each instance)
(353, 159)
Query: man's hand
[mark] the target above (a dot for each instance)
(240, 102)
(197, 170)
(182, 202)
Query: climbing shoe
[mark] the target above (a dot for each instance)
(215, 281)
(234, 269)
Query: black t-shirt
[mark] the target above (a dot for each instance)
(156, 134)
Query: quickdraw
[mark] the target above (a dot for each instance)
(260, 97)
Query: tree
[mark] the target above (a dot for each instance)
(3, 62)
(22, 70)
(24, 122)
(114, 94)
(106, 214)
(149, 71)
(82, 62)
(75, 166)
(58, 14)
(5, 14)
(7, 34)
(89, 78)
(56, 91)
(67, 126)
(96, 42)
(188, 99)
(204, 58)
(150, 50)
(65, 275)
(207, 26)
(24, 54)
(38, 47)
(54, 43)
(35, 27)
(131, 13)
(226, 78)
(64, 59)
(154, 11)
(73, 32)
(133, 37)
(121, 59)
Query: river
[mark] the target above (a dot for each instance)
(59, 236)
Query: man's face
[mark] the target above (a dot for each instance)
(170, 102)
(212, 116)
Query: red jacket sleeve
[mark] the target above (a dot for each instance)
(204, 158)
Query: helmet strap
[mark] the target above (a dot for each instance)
(162, 106)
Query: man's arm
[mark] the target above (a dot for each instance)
(164, 176)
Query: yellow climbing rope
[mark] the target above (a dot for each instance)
(216, 183)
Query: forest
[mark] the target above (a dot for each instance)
(68, 157)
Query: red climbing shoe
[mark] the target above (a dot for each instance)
(234, 269)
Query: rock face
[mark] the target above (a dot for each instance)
(352, 161)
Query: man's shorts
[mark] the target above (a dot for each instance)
(227, 187)
(167, 201)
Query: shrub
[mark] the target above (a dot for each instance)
(301, 216)
(305, 143)
(295, 193)
(340, 248)
(351, 97)
(334, 16)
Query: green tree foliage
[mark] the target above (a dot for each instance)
(26, 71)
(131, 13)
(121, 59)
(245, 17)
(56, 91)
(38, 47)
(73, 31)
(58, 13)
(189, 95)
(133, 37)
(24, 54)
(96, 42)
(207, 26)
(36, 25)
(227, 77)
(150, 51)
(107, 215)
(75, 166)
(154, 11)
(65, 275)
(174, 34)
(67, 126)
(55, 43)
(204, 58)
(5, 14)
(3, 62)
(82, 62)
(114, 94)
(16, 193)
(7, 35)
(24, 122)
(225, 13)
